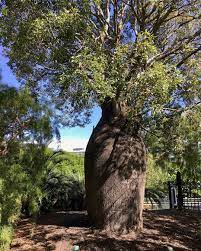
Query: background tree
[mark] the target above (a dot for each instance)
(175, 145)
(32, 176)
(137, 60)
(25, 128)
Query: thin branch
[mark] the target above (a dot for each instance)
(172, 51)
(188, 56)
(121, 19)
(180, 110)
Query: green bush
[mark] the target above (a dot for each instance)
(63, 193)
(6, 234)
(64, 183)
(156, 177)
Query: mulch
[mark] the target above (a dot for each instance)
(59, 231)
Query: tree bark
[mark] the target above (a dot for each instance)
(115, 165)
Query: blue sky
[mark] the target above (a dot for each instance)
(7, 75)
(76, 137)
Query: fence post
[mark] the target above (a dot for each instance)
(170, 194)
(180, 195)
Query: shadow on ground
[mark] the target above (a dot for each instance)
(59, 231)
(65, 219)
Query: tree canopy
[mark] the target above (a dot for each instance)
(144, 55)
(22, 120)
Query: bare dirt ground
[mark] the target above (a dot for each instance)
(163, 230)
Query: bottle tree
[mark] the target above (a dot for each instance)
(137, 60)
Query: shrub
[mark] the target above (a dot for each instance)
(63, 193)
(6, 233)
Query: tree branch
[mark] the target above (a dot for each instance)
(188, 56)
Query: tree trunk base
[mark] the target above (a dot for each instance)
(115, 163)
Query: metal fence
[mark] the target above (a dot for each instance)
(162, 203)
(184, 195)
(180, 195)
(191, 193)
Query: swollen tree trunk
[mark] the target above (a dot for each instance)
(115, 164)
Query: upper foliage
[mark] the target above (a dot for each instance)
(23, 119)
(142, 53)
(175, 144)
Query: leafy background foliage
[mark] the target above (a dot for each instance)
(28, 169)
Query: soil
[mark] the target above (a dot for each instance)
(59, 231)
